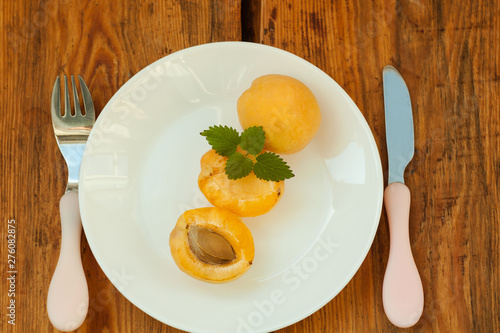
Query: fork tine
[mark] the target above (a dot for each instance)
(55, 107)
(78, 112)
(67, 103)
(88, 104)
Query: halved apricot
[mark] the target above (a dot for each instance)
(212, 244)
(247, 196)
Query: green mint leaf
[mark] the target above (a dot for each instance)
(252, 140)
(238, 166)
(224, 140)
(270, 166)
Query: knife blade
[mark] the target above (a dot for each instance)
(402, 291)
(398, 124)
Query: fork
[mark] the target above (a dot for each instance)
(68, 297)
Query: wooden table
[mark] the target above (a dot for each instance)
(448, 52)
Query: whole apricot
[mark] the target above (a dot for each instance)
(285, 107)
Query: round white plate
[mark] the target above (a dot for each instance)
(140, 171)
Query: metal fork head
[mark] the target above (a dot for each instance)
(72, 129)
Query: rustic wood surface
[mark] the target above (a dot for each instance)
(448, 52)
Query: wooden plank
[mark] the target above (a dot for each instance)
(107, 43)
(448, 54)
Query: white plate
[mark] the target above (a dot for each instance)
(140, 171)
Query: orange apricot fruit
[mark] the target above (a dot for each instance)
(285, 107)
(247, 196)
(212, 244)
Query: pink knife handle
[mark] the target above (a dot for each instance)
(402, 292)
(68, 296)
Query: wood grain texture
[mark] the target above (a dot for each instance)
(447, 51)
(106, 42)
(448, 54)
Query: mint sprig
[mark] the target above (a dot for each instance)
(267, 166)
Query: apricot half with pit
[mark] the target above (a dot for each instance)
(247, 196)
(285, 107)
(212, 244)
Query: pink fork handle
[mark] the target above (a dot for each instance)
(402, 292)
(68, 296)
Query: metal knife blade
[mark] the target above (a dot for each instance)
(398, 124)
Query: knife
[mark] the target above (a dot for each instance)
(402, 292)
